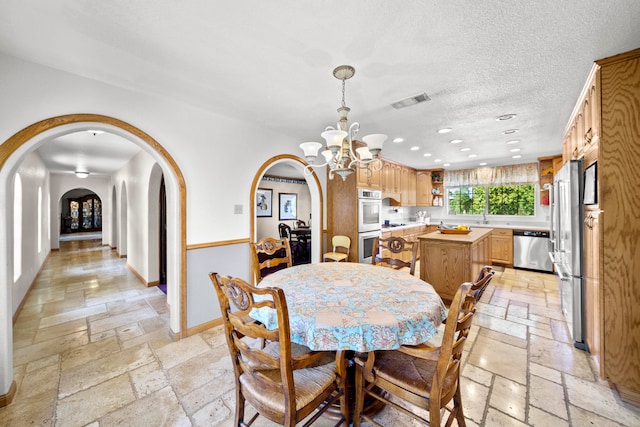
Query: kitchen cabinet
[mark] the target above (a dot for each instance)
(370, 178)
(423, 188)
(437, 187)
(447, 260)
(390, 180)
(548, 166)
(583, 130)
(610, 109)
(408, 178)
(502, 247)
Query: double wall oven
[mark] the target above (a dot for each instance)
(369, 222)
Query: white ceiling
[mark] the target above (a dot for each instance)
(271, 62)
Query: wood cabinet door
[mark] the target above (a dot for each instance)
(369, 178)
(411, 194)
(423, 188)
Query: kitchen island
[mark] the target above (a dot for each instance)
(448, 260)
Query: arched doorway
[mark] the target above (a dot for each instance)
(15, 149)
(80, 211)
(315, 189)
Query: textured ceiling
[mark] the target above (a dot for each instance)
(271, 62)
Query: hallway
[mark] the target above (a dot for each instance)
(92, 346)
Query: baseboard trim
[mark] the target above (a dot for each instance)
(6, 399)
(138, 275)
(204, 326)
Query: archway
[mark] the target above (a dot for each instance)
(80, 210)
(12, 153)
(317, 208)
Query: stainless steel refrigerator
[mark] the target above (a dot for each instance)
(567, 214)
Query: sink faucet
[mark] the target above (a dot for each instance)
(484, 219)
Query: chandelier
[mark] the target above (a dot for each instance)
(339, 154)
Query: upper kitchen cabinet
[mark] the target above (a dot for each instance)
(583, 131)
(429, 187)
(604, 128)
(423, 188)
(370, 178)
(407, 187)
(390, 180)
(548, 167)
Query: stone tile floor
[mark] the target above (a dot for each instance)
(92, 347)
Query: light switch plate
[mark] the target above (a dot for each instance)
(237, 209)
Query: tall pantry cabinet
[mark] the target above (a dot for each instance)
(605, 129)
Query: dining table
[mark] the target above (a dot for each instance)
(353, 306)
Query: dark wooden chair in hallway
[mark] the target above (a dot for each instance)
(284, 382)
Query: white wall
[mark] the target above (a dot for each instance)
(33, 174)
(135, 175)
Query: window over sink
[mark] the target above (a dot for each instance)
(516, 200)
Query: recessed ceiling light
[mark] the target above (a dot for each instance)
(513, 141)
(437, 160)
(473, 155)
(483, 164)
(415, 148)
(455, 141)
(514, 150)
(427, 154)
(95, 132)
(446, 164)
(398, 140)
(509, 131)
(517, 156)
(465, 149)
(444, 130)
(505, 117)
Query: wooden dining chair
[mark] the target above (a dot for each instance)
(478, 287)
(270, 255)
(341, 247)
(395, 252)
(283, 381)
(423, 375)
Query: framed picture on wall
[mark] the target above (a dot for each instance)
(264, 202)
(591, 185)
(288, 206)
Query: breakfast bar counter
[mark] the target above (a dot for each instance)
(448, 260)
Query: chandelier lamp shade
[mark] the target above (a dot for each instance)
(339, 154)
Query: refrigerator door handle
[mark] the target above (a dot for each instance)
(562, 271)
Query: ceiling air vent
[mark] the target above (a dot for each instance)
(412, 100)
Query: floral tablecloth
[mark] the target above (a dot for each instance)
(351, 306)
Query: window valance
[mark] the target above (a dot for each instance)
(526, 173)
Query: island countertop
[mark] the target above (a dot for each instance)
(475, 234)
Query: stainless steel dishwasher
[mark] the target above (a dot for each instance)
(531, 250)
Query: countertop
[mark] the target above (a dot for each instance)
(472, 225)
(475, 234)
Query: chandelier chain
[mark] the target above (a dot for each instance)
(343, 91)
